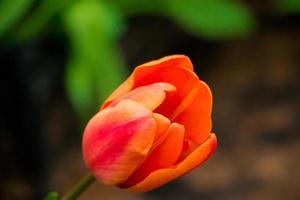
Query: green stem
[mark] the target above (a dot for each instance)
(79, 188)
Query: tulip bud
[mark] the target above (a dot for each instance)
(155, 127)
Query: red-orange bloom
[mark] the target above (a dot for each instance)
(155, 127)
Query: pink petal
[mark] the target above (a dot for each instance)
(117, 139)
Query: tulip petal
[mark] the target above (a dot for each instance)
(162, 176)
(184, 80)
(173, 60)
(163, 156)
(151, 96)
(117, 139)
(196, 116)
(163, 124)
(153, 67)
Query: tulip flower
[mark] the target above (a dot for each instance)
(155, 127)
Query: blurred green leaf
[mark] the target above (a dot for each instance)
(134, 7)
(51, 196)
(11, 11)
(215, 19)
(95, 68)
(37, 20)
(288, 6)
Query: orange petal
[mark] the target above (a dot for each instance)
(196, 117)
(184, 103)
(162, 176)
(151, 96)
(163, 124)
(164, 155)
(184, 80)
(173, 60)
(141, 71)
(117, 139)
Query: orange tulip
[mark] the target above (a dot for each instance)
(155, 127)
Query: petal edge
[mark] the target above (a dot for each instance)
(160, 177)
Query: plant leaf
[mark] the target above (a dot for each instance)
(38, 19)
(95, 67)
(10, 13)
(216, 19)
(51, 196)
(135, 7)
(288, 6)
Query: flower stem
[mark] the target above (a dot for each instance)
(80, 187)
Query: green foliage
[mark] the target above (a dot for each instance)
(288, 6)
(95, 68)
(216, 19)
(10, 12)
(93, 28)
(51, 196)
(38, 19)
(136, 7)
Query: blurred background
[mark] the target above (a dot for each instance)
(61, 58)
